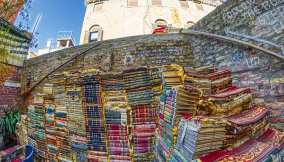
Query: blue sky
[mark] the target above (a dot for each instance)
(57, 15)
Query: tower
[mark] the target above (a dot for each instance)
(109, 19)
(64, 40)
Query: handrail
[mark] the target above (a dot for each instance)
(181, 31)
(233, 40)
(60, 66)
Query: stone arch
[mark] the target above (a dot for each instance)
(161, 23)
(189, 23)
(95, 33)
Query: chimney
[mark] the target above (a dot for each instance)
(49, 43)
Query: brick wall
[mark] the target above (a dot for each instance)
(14, 45)
(9, 90)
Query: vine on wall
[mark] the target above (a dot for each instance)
(5, 70)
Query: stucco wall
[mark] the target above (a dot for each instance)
(117, 19)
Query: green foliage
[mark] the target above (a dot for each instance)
(5, 55)
(8, 123)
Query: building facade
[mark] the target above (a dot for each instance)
(119, 18)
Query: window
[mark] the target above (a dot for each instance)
(95, 33)
(160, 26)
(184, 3)
(94, 36)
(132, 3)
(157, 2)
(161, 23)
(189, 24)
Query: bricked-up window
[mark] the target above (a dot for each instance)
(157, 2)
(95, 33)
(132, 3)
(184, 3)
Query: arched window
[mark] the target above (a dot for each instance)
(160, 26)
(95, 33)
(189, 24)
(161, 23)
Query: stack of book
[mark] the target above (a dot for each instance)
(277, 115)
(117, 123)
(172, 75)
(208, 79)
(246, 125)
(95, 122)
(76, 122)
(199, 136)
(36, 126)
(141, 97)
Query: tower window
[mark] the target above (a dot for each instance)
(157, 2)
(94, 36)
(189, 24)
(95, 33)
(160, 26)
(161, 23)
(132, 3)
